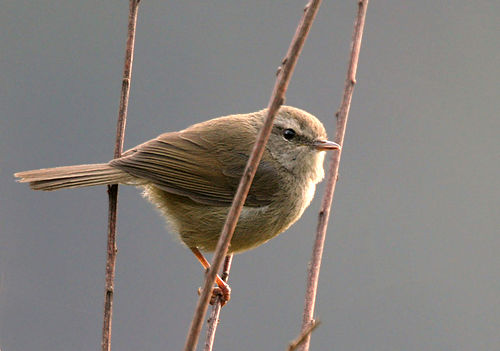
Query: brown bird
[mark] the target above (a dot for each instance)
(192, 175)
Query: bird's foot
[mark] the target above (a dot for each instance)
(219, 293)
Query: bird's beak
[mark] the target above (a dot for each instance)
(323, 145)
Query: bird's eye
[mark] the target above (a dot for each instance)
(289, 134)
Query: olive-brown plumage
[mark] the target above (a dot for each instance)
(192, 175)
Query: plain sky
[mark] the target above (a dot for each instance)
(412, 254)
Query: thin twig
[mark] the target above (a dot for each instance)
(213, 320)
(276, 100)
(342, 115)
(113, 189)
(303, 335)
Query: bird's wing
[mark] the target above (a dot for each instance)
(191, 164)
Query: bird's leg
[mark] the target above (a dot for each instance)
(224, 288)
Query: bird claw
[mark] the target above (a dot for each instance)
(219, 294)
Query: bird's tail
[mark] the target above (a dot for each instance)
(73, 177)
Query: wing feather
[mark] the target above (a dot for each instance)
(197, 164)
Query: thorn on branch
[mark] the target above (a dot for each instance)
(250, 170)
(280, 68)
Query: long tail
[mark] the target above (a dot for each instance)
(73, 177)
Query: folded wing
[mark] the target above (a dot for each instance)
(192, 164)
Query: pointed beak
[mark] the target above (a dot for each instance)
(324, 145)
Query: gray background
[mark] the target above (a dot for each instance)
(411, 260)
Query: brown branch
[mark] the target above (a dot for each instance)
(342, 114)
(113, 189)
(213, 320)
(292, 346)
(276, 100)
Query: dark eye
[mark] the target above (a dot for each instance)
(289, 134)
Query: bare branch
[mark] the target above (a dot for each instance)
(213, 320)
(277, 98)
(303, 335)
(113, 189)
(342, 114)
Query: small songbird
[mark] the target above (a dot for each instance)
(191, 176)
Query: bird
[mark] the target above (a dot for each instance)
(192, 175)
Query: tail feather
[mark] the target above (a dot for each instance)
(66, 177)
